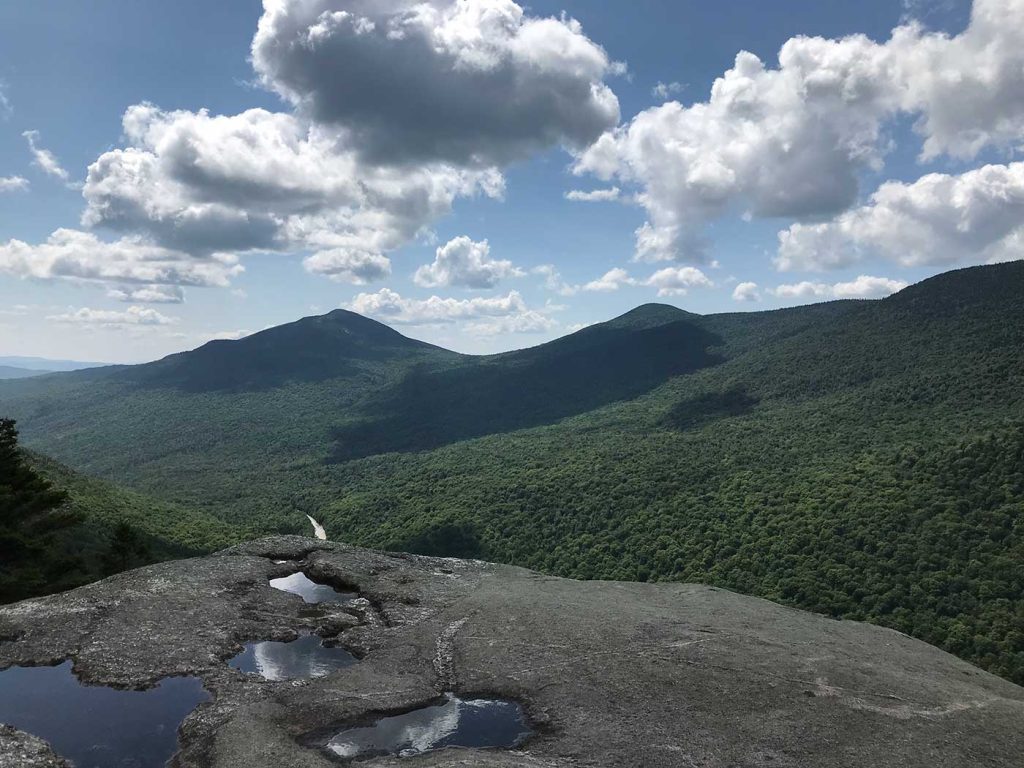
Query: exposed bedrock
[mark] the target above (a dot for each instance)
(608, 673)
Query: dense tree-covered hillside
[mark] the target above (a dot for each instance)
(858, 458)
(59, 529)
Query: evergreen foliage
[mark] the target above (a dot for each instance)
(32, 513)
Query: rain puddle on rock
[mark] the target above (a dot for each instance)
(300, 659)
(300, 584)
(472, 723)
(95, 726)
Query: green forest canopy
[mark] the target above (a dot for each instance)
(861, 459)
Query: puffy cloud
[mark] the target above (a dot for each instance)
(44, 159)
(677, 281)
(465, 262)
(864, 287)
(594, 196)
(668, 282)
(447, 91)
(471, 82)
(867, 287)
(391, 307)
(611, 280)
(968, 89)
(939, 219)
(266, 181)
(746, 292)
(82, 256)
(786, 142)
(803, 290)
(791, 141)
(13, 183)
(133, 316)
(349, 265)
(149, 294)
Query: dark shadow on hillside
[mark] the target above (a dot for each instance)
(442, 539)
(538, 386)
(697, 411)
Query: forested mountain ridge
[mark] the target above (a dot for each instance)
(313, 349)
(858, 458)
(12, 372)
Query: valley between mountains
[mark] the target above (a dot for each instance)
(860, 459)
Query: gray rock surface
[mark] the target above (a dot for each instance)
(22, 750)
(611, 674)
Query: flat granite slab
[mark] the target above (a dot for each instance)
(610, 674)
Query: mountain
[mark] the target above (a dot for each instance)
(314, 349)
(863, 459)
(602, 364)
(10, 372)
(45, 364)
(590, 673)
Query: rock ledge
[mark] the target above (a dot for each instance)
(611, 674)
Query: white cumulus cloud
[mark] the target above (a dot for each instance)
(497, 312)
(790, 141)
(677, 281)
(349, 265)
(471, 82)
(467, 263)
(81, 256)
(940, 220)
(863, 287)
(672, 281)
(265, 181)
(399, 108)
(746, 292)
(611, 280)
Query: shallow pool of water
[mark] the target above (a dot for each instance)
(476, 723)
(95, 726)
(301, 659)
(310, 591)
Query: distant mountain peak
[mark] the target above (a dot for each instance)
(314, 348)
(650, 315)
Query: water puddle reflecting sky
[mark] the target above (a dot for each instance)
(95, 726)
(304, 658)
(476, 723)
(310, 591)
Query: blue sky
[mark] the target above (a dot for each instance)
(70, 70)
